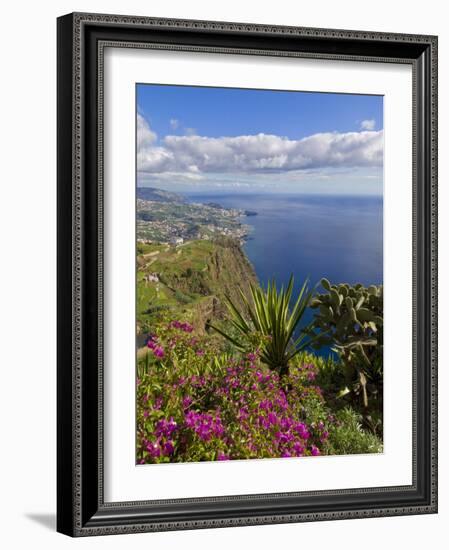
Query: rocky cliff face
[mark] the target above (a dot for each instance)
(230, 270)
(227, 270)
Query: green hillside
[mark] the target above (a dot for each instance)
(189, 280)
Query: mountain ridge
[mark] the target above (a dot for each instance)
(158, 195)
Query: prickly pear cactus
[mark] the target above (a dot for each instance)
(350, 319)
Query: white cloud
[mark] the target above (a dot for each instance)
(174, 123)
(261, 153)
(145, 136)
(368, 124)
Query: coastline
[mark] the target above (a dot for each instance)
(311, 237)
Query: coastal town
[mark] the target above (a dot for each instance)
(175, 222)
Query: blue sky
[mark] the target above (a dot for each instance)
(199, 138)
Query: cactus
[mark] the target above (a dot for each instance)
(350, 319)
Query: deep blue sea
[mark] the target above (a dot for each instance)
(337, 237)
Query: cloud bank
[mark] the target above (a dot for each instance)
(252, 154)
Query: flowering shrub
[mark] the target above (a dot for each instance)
(195, 404)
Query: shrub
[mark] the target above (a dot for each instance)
(350, 318)
(331, 378)
(182, 298)
(347, 436)
(195, 404)
(270, 314)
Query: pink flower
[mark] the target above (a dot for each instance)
(185, 327)
(302, 430)
(265, 405)
(158, 351)
(315, 451)
(158, 403)
(298, 448)
(169, 448)
(165, 428)
(187, 401)
(151, 341)
(154, 449)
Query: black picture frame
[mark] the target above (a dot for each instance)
(81, 510)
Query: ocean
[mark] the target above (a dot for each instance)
(337, 237)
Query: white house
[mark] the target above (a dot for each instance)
(176, 240)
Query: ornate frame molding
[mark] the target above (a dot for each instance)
(82, 511)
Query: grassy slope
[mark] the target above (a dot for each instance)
(193, 278)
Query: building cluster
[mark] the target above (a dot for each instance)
(178, 223)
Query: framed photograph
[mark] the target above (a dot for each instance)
(247, 274)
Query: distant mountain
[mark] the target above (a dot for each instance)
(159, 195)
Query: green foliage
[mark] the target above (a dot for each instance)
(187, 275)
(196, 403)
(182, 298)
(347, 435)
(350, 318)
(270, 315)
(331, 378)
(254, 391)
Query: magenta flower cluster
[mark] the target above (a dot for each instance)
(186, 327)
(192, 408)
(157, 349)
(204, 425)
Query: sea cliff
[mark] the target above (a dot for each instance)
(190, 280)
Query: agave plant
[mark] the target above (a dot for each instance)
(269, 314)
